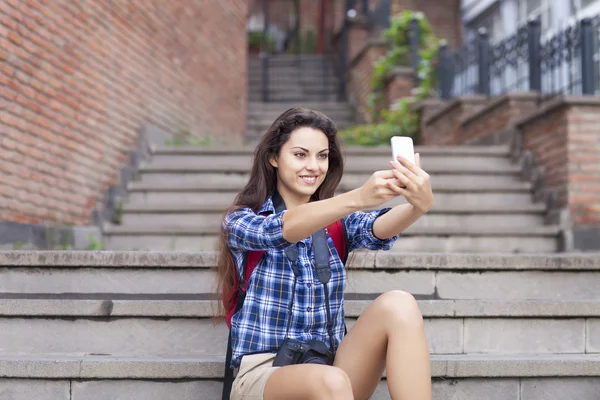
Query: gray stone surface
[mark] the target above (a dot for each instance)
(146, 390)
(167, 336)
(171, 307)
(353, 163)
(476, 389)
(444, 335)
(550, 389)
(593, 335)
(108, 259)
(210, 367)
(417, 282)
(87, 280)
(431, 222)
(467, 150)
(28, 389)
(383, 260)
(417, 243)
(553, 262)
(519, 285)
(515, 365)
(524, 336)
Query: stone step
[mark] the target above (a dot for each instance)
(292, 72)
(354, 164)
(260, 127)
(349, 180)
(456, 151)
(179, 197)
(203, 228)
(465, 377)
(218, 207)
(427, 276)
(187, 328)
(472, 222)
(434, 244)
(294, 97)
(300, 81)
(324, 107)
(263, 116)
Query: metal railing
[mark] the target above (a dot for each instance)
(564, 63)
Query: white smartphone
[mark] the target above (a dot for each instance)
(403, 146)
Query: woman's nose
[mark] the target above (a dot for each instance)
(312, 164)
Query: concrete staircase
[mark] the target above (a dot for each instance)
(481, 205)
(294, 81)
(137, 325)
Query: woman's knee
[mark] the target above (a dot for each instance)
(400, 307)
(334, 383)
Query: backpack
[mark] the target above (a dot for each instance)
(235, 299)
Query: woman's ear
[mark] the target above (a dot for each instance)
(273, 161)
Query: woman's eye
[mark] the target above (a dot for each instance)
(299, 154)
(324, 156)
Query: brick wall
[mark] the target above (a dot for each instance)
(443, 126)
(563, 136)
(584, 164)
(77, 79)
(481, 127)
(359, 76)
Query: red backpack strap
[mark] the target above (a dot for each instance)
(337, 231)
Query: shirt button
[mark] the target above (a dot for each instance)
(308, 309)
(307, 330)
(309, 285)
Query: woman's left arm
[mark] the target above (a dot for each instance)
(415, 186)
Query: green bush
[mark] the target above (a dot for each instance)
(255, 40)
(306, 43)
(400, 119)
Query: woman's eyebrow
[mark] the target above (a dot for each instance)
(306, 150)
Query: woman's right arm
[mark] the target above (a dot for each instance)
(246, 230)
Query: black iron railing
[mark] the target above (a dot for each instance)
(564, 63)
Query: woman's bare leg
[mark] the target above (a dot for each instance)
(389, 334)
(308, 382)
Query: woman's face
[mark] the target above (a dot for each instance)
(301, 165)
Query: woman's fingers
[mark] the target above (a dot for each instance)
(404, 171)
(397, 189)
(414, 168)
(404, 180)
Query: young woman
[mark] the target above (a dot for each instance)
(299, 160)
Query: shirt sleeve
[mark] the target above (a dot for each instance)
(359, 229)
(246, 230)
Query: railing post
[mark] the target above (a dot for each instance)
(343, 56)
(588, 86)
(264, 54)
(415, 40)
(444, 71)
(365, 7)
(483, 62)
(534, 48)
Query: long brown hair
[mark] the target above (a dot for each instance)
(263, 181)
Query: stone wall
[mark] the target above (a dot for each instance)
(77, 80)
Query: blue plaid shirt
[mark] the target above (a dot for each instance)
(260, 325)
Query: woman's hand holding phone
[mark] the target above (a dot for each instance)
(376, 191)
(411, 182)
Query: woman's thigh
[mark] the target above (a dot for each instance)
(308, 382)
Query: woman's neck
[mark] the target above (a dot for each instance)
(291, 200)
